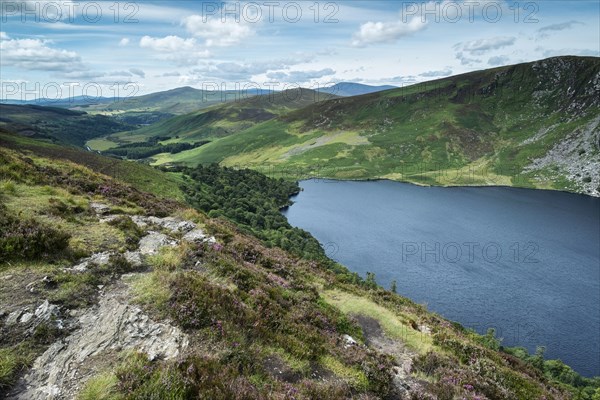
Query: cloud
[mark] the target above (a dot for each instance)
(299, 76)
(570, 52)
(243, 71)
(386, 32)
(4, 36)
(498, 60)
(408, 79)
(35, 54)
(482, 46)
(464, 60)
(184, 52)
(168, 74)
(217, 32)
(137, 72)
(435, 74)
(124, 42)
(170, 44)
(560, 27)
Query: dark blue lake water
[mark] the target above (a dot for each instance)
(524, 262)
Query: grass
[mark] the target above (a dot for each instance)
(392, 324)
(151, 289)
(15, 359)
(100, 387)
(168, 258)
(101, 144)
(353, 376)
(139, 176)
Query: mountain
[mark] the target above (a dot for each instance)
(58, 124)
(219, 120)
(126, 282)
(71, 102)
(154, 107)
(530, 125)
(345, 89)
(178, 101)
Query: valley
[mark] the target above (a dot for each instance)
(505, 126)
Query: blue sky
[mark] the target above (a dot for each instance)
(48, 47)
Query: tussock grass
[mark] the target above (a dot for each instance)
(100, 387)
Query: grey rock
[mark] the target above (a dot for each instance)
(196, 235)
(173, 224)
(111, 325)
(134, 258)
(349, 341)
(46, 310)
(13, 317)
(153, 241)
(25, 318)
(98, 259)
(140, 221)
(100, 208)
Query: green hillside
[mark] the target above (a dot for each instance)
(531, 125)
(102, 285)
(58, 124)
(219, 120)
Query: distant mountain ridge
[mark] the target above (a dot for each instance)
(346, 89)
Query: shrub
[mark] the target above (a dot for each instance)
(133, 233)
(429, 363)
(28, 239)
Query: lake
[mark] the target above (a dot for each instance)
(525, 262)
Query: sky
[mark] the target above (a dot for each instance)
(114, 49)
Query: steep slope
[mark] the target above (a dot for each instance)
(532, 125)
(110, 292)
(346, 89)
(66, 126)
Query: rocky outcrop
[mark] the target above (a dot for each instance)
(577, 157)
(112, 325)
(109, 327)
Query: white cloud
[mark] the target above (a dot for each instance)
(482, 46)
(436, 74)
(216, 32)
(4, 36)
(299, 76)
(137, 72)
(571, 52)
(386, 32)
(498, 60)
(35, 54)
(237, 71)
(560, 27)
(124, 42)
(170, 44)
(464, 60)
(168, 74)
(184, 52)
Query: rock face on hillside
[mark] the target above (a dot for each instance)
(111, 326)
(577, 157)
